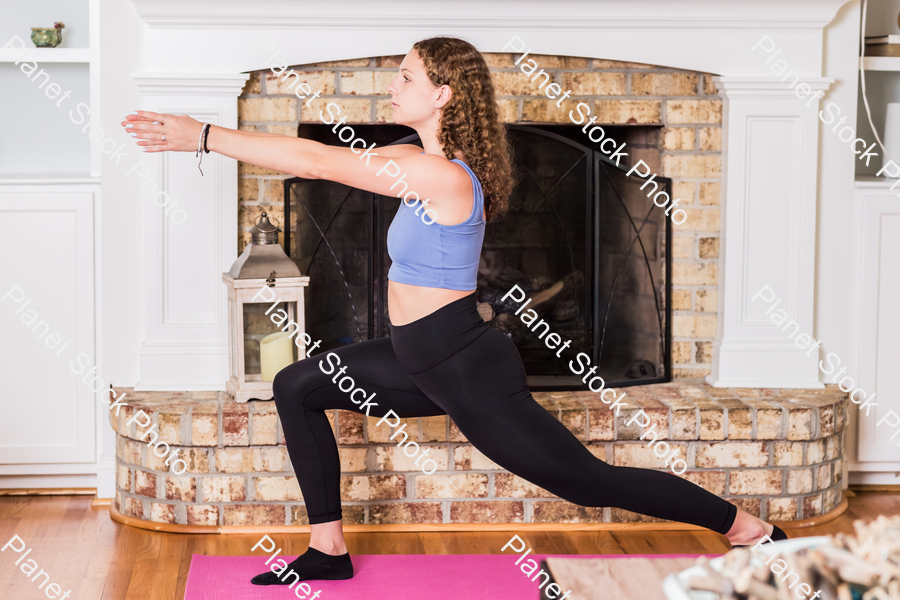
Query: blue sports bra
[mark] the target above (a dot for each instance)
(435, 255)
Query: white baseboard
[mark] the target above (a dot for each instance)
(874, 478)
(49, 469)
(48, 481)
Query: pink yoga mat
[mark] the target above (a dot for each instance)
(383, 577)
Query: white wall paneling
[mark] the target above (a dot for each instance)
(55, 431)
(770, 150)
(47, 239)
(185, 343)
(879, 322)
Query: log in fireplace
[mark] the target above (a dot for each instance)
(580, 237)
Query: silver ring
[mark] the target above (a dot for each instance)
(164, 137)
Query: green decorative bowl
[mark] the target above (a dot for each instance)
(46, 37)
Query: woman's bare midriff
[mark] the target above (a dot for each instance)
(408, 303)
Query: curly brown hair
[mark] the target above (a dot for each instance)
(470, 120)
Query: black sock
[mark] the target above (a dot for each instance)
(310, 565)
(777, 536)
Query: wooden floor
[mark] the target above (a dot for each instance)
(83, 550)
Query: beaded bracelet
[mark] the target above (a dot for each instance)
(206, 137)
(201, 145)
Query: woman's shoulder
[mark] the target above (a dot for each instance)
(399, 150)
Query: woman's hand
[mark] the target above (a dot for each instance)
(182, 133)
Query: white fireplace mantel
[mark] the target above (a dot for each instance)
(225, 36)
(193, 44)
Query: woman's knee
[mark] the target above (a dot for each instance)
(294, 382)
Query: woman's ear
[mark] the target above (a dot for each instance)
(444, 96)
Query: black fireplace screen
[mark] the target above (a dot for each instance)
(580, 239)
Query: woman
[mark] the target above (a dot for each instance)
(441, 357)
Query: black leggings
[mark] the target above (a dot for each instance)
(452, 362)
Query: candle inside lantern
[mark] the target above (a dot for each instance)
(275, 353)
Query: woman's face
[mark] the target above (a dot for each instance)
(413, 98)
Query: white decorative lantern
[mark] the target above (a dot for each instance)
(267, 329)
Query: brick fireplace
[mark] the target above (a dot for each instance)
(686, 146)
(775, 454)
(717, 124)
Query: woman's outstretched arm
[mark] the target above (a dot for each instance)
(269, 150)
(390, 171)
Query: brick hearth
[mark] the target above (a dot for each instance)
(776, 453)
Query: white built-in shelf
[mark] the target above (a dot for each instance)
(47, 55)
(881, 63)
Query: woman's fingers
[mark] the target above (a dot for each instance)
(144, 130)
(155, 144)
(152, 145)
(146, 115)
(151, 127)
(142, 116)
(147, 128)
(132, 120)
